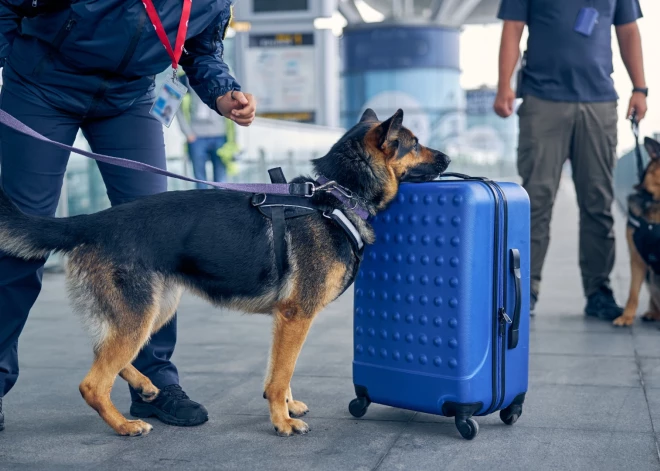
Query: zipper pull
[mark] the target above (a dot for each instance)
(34, 3)
(69, 24)
(504, 317)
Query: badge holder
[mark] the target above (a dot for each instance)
(586, 21)
(169, 100)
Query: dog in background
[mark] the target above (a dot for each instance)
(643, 236)
(127, 266)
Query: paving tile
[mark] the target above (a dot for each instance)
(586, 408)
(230, 328)
(571, 323)
(653, 399)
(326, 360)
(595, 344)
(432, 447)
(248, 443)
(646, 328)
(228, 442)
(221, 358)
(587, 370)
(326, 397)
(651, 373)
(648, 346)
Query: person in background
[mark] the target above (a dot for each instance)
(569, 111)
(208, 135)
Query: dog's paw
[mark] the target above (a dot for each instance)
(624, 321)
(291, 426)
(134, 428)
(297, 408)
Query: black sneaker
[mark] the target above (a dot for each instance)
(172, 406)
(602, 305)
(2, 417)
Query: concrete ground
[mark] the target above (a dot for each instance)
(593, 402)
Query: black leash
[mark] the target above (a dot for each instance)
(634, 124)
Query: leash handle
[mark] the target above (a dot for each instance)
(277, 189)
(634, 125)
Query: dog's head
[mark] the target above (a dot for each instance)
(651, 181)
(373, 157)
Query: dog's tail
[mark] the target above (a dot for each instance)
(33, 237)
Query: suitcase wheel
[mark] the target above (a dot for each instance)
(468, 428)
(358, 406)
(511, 414)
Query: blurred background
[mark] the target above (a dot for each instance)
(315, 65)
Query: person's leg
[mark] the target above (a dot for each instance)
(136, 135)
(197, 154)
(593, 156)
(31, 175)
(219, 169)
(544, 143)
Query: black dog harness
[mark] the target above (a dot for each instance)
(278, 208)
(646, 236)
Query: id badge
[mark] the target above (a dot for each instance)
(168, 101)
(586, 21)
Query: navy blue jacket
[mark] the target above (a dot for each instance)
(99, 57)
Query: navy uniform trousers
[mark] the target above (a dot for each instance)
(32, 173)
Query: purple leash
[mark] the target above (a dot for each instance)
(306, 189)
(272, 188)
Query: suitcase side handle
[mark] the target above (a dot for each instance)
(514, 264)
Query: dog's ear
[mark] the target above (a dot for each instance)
(368, 116)
(652, 147)
(391, 127)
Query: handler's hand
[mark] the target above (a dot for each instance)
(638, 104)
(504, 100)
(240, 108)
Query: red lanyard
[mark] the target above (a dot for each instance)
(162, 35)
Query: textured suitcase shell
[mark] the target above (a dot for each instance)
(424, 314)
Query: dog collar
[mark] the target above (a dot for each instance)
(346, 196)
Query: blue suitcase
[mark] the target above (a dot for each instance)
(441, 318)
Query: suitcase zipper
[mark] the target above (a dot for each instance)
(504, 277)
(499, 282)
(499, 292)
(496, 320)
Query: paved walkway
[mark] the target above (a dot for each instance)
(593, 404)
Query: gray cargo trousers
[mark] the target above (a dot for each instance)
(585, 133)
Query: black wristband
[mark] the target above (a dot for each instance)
(645, 91)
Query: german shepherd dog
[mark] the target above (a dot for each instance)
(644, 215)
(127, 266)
